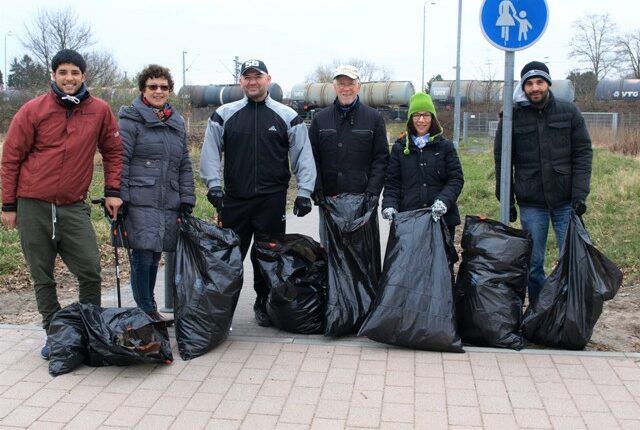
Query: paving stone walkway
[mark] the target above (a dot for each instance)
(262, 378)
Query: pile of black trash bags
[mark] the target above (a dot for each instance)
(411, 301)
(492, 280)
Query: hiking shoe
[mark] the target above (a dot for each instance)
(260, 309)
(44, 352)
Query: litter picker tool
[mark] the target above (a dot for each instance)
(118, 236)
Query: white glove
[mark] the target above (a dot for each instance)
(437, 210)
(389, 213)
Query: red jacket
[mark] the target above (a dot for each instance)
(49, 151)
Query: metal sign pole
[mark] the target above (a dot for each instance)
(511, 27)
(507, 125)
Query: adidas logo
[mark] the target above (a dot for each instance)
(272, 128)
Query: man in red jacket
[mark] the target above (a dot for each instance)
(47, 167)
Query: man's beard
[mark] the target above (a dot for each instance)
(543, 100)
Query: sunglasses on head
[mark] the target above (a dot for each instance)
(154, 87)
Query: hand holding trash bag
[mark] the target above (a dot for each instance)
(318, 198)
(301, 206)
(389, 213)
(215, 197)
(513, 214)
(580, 207)
(437, 210)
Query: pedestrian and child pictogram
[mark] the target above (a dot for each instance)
(512, 25)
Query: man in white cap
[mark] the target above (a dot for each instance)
(260, 139)
(349, 142)
(551, 155)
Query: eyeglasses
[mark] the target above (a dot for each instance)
(154, 87)
(421, 115)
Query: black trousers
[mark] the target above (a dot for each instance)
(262, 217)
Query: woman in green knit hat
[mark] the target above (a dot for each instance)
(424, 169)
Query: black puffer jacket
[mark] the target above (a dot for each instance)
(416, 180)
(351, 150)
(551, 155)
(156, 176)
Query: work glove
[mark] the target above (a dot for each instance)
(318, 198)
(513, 214)
(215, 196)
(302, 206)
(579, 206)
(389, 213)
(437, 210)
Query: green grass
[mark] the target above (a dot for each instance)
(612, 219)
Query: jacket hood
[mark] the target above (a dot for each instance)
(139, 112)
(422, 102)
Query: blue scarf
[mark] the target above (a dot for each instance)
(420, 141)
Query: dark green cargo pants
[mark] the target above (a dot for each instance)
(47, 230)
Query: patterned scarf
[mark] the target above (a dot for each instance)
(420, 141)
(162, 113)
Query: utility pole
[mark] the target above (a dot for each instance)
(237, 68)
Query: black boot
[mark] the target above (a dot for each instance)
(260, 309)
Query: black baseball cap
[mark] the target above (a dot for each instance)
(256, 65)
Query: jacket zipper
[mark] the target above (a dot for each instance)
(255, 148)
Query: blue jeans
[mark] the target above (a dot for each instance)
(144, 268)
(536, 221)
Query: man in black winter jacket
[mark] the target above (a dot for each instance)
(349, 142)
(551, 168)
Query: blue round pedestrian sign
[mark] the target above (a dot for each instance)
(512, 25)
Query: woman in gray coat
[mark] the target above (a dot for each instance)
(157, 179)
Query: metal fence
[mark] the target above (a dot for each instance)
(483, 125)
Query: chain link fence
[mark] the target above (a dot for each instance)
(481, 126)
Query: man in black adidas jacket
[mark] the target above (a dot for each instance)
(259, 138)
(349, 142)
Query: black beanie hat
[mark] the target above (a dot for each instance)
(69, 56)
(536, 65)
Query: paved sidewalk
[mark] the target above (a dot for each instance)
(262, 378)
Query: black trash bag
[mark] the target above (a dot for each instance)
(296, 272)
(353, 254)
(89, 334)
(492, 283)
(415, 307)
(570, 301)
(208, 280)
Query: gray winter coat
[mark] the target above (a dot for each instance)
(157, 176)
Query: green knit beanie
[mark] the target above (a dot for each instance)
(420, 102)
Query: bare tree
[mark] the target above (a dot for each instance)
(628, 48)
(102, 70)
(53, 30)
(594, 44)
(369, 70)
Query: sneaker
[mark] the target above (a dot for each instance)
(260, 309)
(44, 352)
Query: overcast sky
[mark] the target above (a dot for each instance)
(294, 36)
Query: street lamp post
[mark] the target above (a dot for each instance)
(184, 70)
(456, 109)
(6, 75)
(424, 27)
